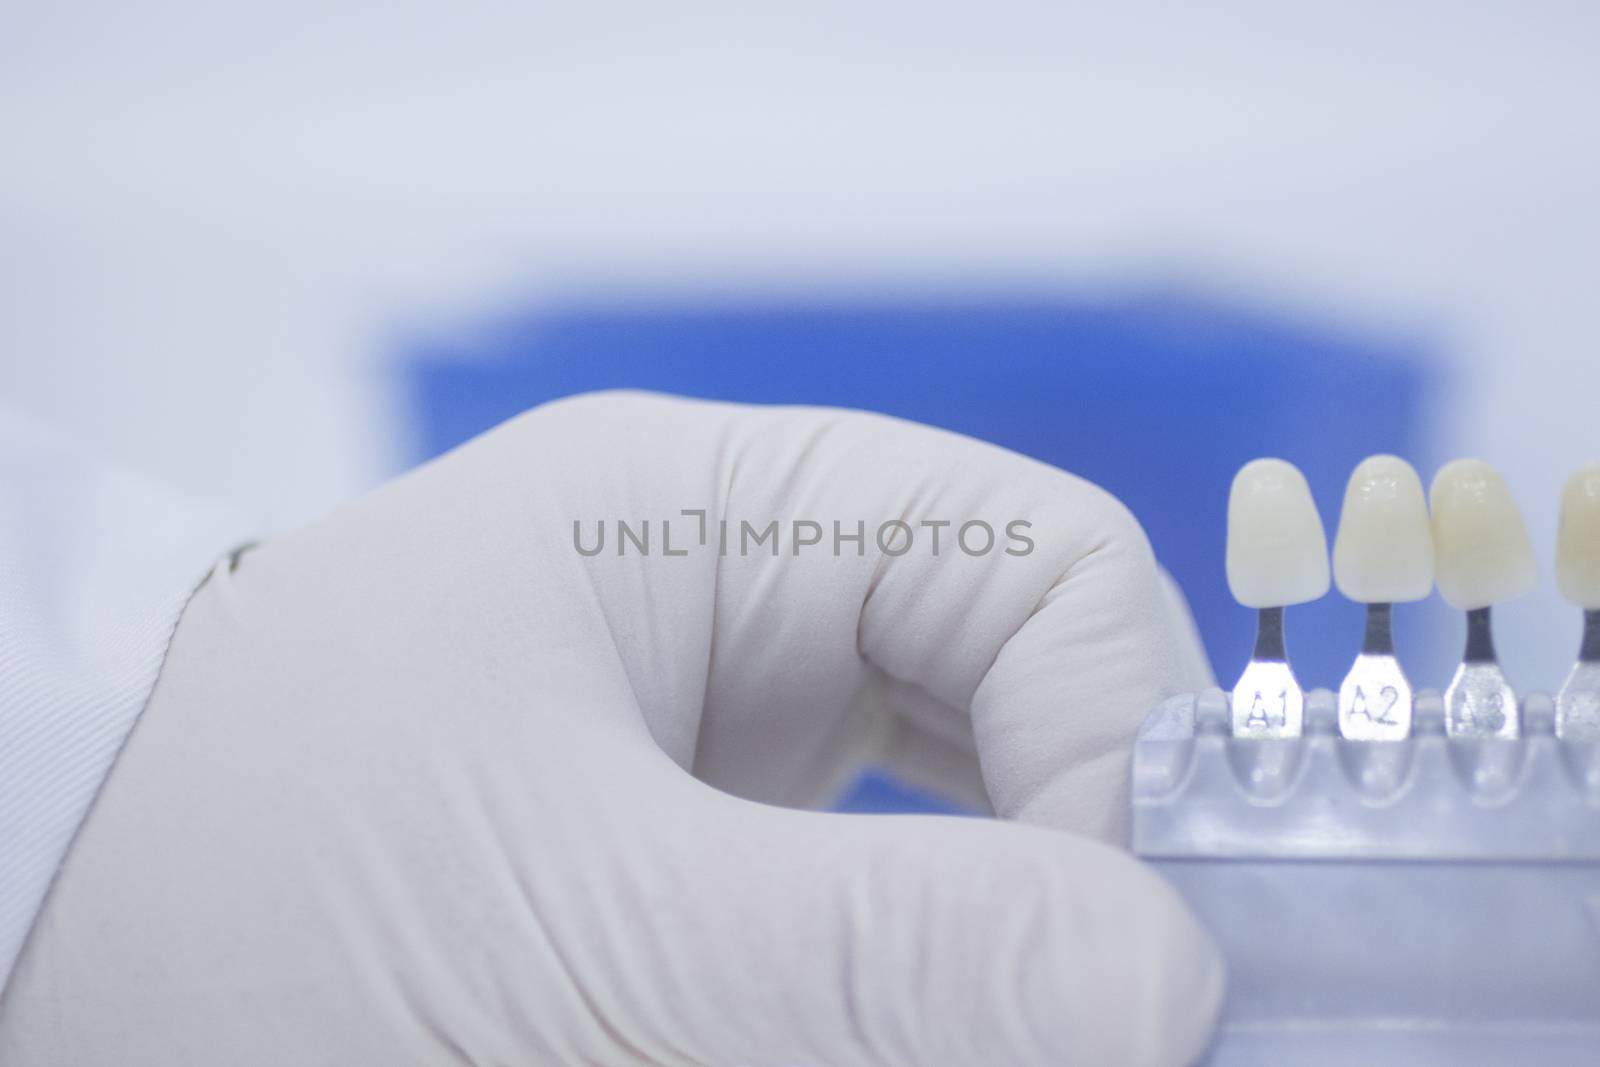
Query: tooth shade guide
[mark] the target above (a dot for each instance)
(1383, 548)
(1589, 650)
(1277, 551)
(1375, 699)
(1482, 554)
(1267, 700)
(1480, 702)
(1578, 539)
(1578, 702)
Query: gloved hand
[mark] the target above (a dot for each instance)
(425, 783)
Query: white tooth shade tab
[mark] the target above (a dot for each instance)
(1277, 551)
(1578, 539)
(1481, 551)
(1383, 552)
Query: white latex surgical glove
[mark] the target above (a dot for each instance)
(424, 783)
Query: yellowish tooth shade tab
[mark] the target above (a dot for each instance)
(1482, 555)
(1578, 539)
(1383, 552)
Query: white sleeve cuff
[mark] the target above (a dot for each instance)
(95, 568)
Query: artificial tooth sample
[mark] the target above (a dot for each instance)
(1482, 557)
(1277, 556)
(1382, 555)
(1578, 577)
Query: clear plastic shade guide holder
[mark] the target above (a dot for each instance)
(1200, 790)
(1430, 900)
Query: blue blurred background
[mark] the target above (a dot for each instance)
(272, 255)
(1159, 398)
